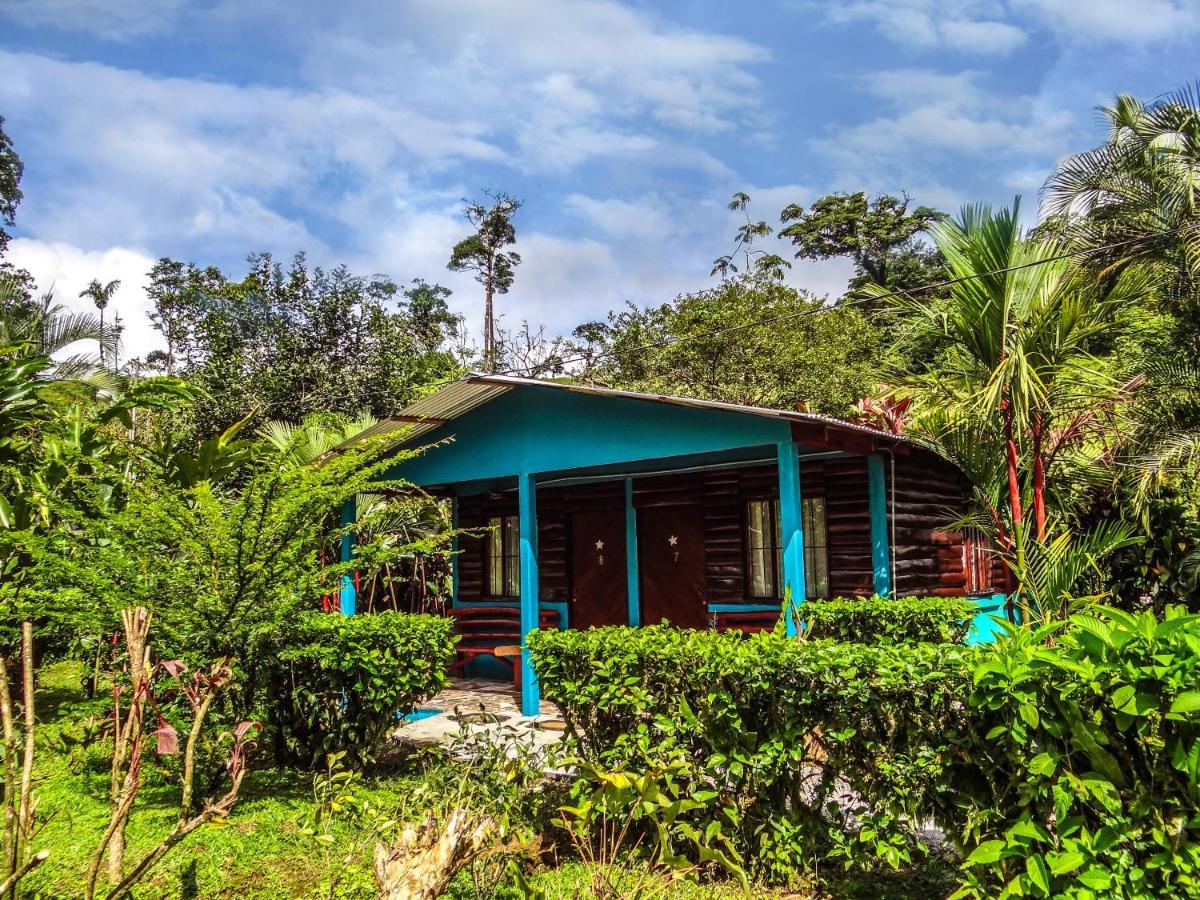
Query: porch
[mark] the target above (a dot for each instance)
(608, 507)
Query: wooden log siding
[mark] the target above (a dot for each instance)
(929, 558)
(929, 494)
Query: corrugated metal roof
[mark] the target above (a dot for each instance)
(474, 390)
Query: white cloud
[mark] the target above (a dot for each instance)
(167, 161)
(1001, 26)
(970, 26)
(67, 270)
(935, 121)
(117, 21)
(646, 218)
(1115, 21)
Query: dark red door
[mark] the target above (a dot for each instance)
(599, 580)
(671, 565)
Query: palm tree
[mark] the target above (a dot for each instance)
(1140, 191)
(1134, 202)
(1015, 330)
(316, 436)
(101, 295)
(42, 328)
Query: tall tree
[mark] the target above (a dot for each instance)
(881, 236)
(1134, 201)
(483, 253)
(289, 343)
(711, 344)
(101, 295)
(11, 170)
(1018, 374)
(769, 264)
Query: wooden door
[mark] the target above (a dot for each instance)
(599, 578)
(671, 565)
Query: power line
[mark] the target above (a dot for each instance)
(805, 313)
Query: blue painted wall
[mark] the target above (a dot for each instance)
(986, 624)
(547, 430)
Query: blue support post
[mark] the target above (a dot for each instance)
(348, 595)
(527, 507)
(881, 556)
(791, 527)
(631, 557)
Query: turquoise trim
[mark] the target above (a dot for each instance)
(546, 430)
(743, 607)
(986, 624)
(791, 530)
(631, 557)
(881, 558)
(527, 506)
(347, 595)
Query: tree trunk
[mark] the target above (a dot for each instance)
(1039, 477)
(1014, 502)
(27, 809)
(10, 774)
(489, 329)
(136, 623)
(423, 861)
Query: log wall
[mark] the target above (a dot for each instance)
(929, 559)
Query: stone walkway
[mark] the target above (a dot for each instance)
(484, 706)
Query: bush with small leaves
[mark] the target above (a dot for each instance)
(344, 680)
(939, 620)
(772, 743)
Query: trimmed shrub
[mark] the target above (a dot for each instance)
(344, 680)
(774, 749)
(1082, 776)
(939, 620)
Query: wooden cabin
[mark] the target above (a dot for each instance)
(618, 508)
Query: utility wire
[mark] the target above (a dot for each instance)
(805, 313)
(822, 310)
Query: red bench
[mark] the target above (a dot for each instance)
(750, 621)
(482, 630)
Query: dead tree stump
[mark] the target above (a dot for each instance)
(424, 859)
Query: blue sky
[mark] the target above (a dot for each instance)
(352, 130)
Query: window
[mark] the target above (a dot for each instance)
(762, 547)
(504, 557)
(977, 562)
(764, 569)
(816, 550)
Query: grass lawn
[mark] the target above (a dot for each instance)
(263, 850)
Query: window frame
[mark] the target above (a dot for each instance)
(504, 536)
(816, 551)
(771, 546)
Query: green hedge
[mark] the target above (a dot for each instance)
(1063, 762)
(764, 737)
(345, 679)
(1082, 774)
(900, 619)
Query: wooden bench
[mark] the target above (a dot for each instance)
(491, 631)
(751, 621)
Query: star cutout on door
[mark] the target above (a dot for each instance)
(599, 545)
(673, 540)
